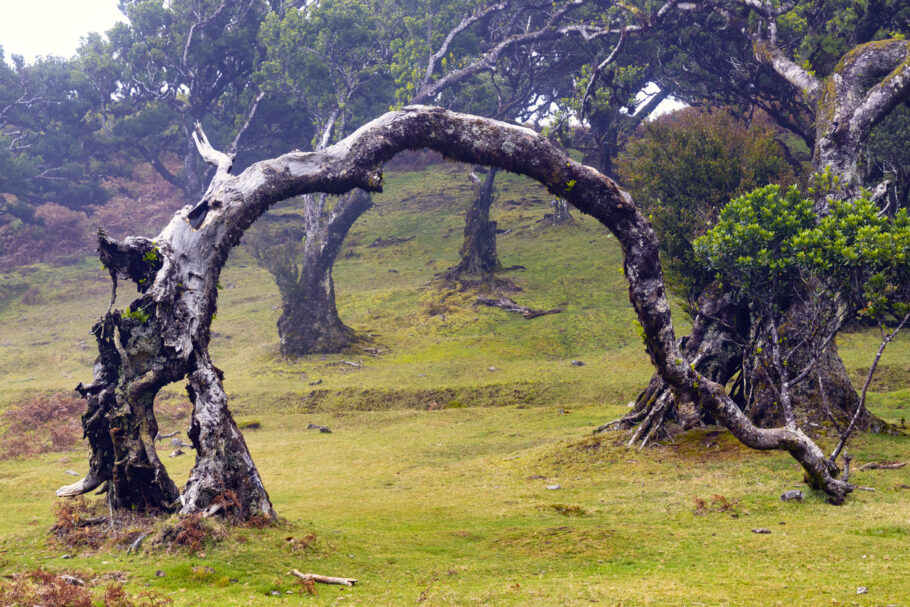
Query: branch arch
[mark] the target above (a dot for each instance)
(192, 249)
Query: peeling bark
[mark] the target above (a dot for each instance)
(182, 296)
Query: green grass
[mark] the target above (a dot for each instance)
(450, 507)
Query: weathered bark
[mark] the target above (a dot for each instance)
(478, 250)
(192, 249)
(223, 467)
(715, 348)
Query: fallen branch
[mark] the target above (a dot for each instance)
(510, 306)
(387, 242)
(882, 466)
(161, 437)
(324, 579)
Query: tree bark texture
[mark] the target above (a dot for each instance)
(478, 250)
(309, 321)
(178, 293)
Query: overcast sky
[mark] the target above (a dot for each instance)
(52, 27)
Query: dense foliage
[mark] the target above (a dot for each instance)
(683, 168)
(768, 247)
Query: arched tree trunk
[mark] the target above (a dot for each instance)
(178, 274)
(478, 250)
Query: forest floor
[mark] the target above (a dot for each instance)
(451, 427)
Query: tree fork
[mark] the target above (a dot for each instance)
(194, 247)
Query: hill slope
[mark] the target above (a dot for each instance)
(449, 433)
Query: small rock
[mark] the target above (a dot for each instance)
(289, 592)
(325, 430)
(492, 369)
(160, 573)
(176, 453)
(322, 429)
(577, 363)
(315, 383)
(233, 580)
(794, 495)
(275, 593)
(553, 487)
(71, 580)
(392, 271)
(312, 427)
(67, 556)
(535, 477)
(72, 473)
(862, 590)
(761, 530)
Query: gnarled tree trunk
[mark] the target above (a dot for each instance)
(179, 270)
(478, 250)
(846, 109)
(309, 321)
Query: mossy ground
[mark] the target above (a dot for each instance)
(432, 487)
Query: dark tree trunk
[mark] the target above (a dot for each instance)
(309, 321)
(478, 251)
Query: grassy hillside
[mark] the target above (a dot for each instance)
(433, 486)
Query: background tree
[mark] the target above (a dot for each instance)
(332, 57)
(172, 65)
(49, 149)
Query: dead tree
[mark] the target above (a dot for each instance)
(163, 335)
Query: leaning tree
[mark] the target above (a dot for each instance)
(162, 336)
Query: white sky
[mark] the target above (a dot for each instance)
(52, 27)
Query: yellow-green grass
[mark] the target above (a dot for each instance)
(451, 506)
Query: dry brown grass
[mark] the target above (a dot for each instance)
(43, 423)
(47, 589)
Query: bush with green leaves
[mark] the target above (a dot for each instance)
(682, 170)
(768, 245)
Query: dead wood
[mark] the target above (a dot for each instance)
(388, 242)
(882, 466)
(510, 306)
(324, 579)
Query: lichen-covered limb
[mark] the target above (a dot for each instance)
(172, 342)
